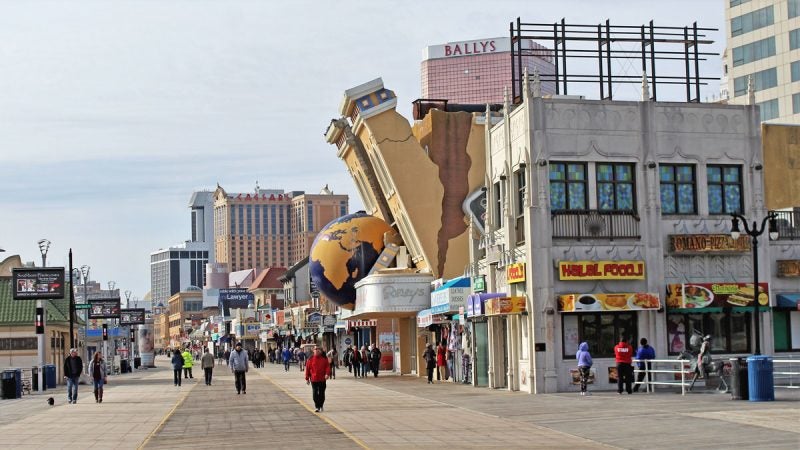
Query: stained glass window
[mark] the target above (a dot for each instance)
(567, 186)
(677, 189)
(615, 187)
(724, 189)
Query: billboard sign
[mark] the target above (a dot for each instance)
(134, 316)
(38, 284)
(104, 308)
(234, 298)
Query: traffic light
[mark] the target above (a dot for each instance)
(133, 335)
(105, 332)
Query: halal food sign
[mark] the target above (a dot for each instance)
(600, 270)
(709, 295)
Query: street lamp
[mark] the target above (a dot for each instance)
(85, 272)
(754, 232)
(130, 327)
(111, 285)
(44, 245)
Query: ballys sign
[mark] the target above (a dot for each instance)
(470, 48)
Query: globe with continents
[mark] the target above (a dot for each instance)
(343, 253)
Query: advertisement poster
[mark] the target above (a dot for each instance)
(638, 301)
(104, 308)
(505, 305)
(134, 316)
(715, 295)
(388, 343)
(38, 284)
(576, 376)
(145, 339)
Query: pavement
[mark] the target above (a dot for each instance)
(145, 410)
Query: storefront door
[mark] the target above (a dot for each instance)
(481, 354)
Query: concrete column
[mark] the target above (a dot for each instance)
(407, 339)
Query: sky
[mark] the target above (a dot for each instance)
(113, 112)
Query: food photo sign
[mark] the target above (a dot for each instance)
(715, 295)
(637, 301)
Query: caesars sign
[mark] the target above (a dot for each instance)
(600, 270)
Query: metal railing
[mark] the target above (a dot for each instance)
(788, 224)
(790, 373)
(595, 224)
(674, 367)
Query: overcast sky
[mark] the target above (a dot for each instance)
(113, 112)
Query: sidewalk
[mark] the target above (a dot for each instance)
(145, 410)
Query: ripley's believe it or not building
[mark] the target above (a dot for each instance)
(557, 220)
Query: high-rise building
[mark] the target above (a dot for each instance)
(270, 227)
(202, 206)
(763, 37)
(475, 72)
(176, 268)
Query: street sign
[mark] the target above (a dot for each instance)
(82, 306)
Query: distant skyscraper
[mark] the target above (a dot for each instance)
(476, 72)
(763, 38)
(270, 227)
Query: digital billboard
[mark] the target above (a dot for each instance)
(104, 308)
(133, 316)
(38, 283)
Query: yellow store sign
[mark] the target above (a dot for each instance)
(600, 270)
(515, 273)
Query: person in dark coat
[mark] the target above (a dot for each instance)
(375, 360)
(177, 366)
(430, 361)
(355, 361)
(73, 368)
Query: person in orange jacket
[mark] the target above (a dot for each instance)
(318, 370)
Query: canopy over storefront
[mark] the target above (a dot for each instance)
(476, 303)
(788, 301)
(395, 295)
(450, 296)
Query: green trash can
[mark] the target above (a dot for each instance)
(761, 385)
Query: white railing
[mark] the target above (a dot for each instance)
(673, 367)
(790, 372)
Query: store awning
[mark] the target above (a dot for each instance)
(426, 317)
(459, 282)
(361, 324)
(475, 302)
(499, 306)
(788, 301)
(451, 296)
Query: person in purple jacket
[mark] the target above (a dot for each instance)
(584, 365)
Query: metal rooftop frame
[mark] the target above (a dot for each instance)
(575, 41)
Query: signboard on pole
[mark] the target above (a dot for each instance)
(104, 308)
(133, 316)
(38, 283)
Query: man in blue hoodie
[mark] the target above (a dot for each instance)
(584, 365)
(644, 353)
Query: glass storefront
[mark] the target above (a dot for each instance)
(481, 357)
(600, 330)
(729, 329)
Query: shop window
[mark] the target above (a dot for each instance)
(568, 186)
(615, 191)
(786, 330)
(520, 178)
(724, 189)
(730, 331)
(677, 189)
(600, 330)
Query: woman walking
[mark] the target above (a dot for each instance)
(97, 368)
(430, 361)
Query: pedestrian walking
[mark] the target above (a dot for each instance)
(364, 357)
(430, 361)
(262, 358)
(177, 367)
(623, 355)
(644, 355)
(332, 361)
(355, 360)
(375, 360)
(301, 358)
(441, 361)
(73, 368)
(239, 366)
(187, 363)
(207, 363)
(347, 358)
(220, 355)
(97, 369)
(226, 356)
(287, 358)
(318, 370)
(584, 365)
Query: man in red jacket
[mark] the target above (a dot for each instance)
(623, 355)
(318, 370)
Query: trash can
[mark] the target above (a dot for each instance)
(18, 378)
(8, 385)
(137, 362)
(123, 366)
(49, 376)
(761, 385)
(35, 378)
(739, 389)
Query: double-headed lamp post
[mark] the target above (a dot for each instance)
(754, 232)
(130, 327)
(44, 246)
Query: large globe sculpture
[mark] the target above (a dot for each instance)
(343, 253)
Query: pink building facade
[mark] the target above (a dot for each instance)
(476, 72)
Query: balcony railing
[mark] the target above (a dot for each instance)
(788, 224)
(595, 224)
